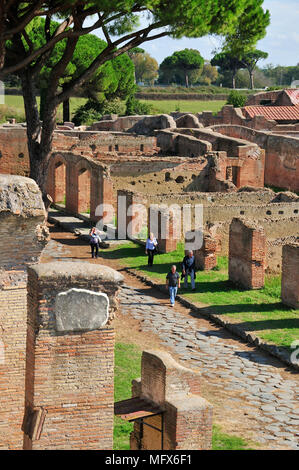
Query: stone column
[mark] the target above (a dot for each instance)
(247, 250)
(70, 356)
(23, 235)
(290, 275)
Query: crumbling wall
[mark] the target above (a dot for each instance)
(87, 183)
(282, 154)
(187, 417)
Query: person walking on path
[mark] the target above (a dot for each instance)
(94, 242)
(173, 282)
(188, 268)
(151, 248)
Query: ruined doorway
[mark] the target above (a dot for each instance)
(59, 196)
(84, 188)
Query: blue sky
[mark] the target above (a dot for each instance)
(281, 41)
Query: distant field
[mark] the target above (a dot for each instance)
(16, 102)
(167, 106)
(14, 107)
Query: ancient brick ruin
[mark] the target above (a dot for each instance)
(125, 169)
(57, 347)
(290, 278)
(175, 416)
(69, 380)
(221, 162)
(247, 245)
(48, 351)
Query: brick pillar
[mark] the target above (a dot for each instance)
(162, 222)
(131, 213)
(247, 250)
(187, 420)
(23, 235)
(101, 194)
(70, 356)
(290, 275)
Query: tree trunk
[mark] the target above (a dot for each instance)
(234, 79)
(187, 80)
(251, 79)
(39, 136)
(66, 109)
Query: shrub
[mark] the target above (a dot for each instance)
(93, 110)
(236, 99)
(135, 106)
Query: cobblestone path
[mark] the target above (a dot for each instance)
(272, 400)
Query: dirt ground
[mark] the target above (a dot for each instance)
(230, 409)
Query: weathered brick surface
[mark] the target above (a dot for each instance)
(22, 239)
(290, 275)
(14, 158)
(281, 153)
(131, 213)
(13, 314)
(205, 257)
(187, 419)
(83, 182)
(68, 375)
(165, 225)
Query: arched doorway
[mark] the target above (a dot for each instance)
(59, 183)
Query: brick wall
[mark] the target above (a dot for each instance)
(247, 246)
(187, 418)
(281, 154)
(131, 214)
(205, 257)
(69, 374)
(22, 238)
(164, 224)
(13, 315)
(290, 275)
(14, 158)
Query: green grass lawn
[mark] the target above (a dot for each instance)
(259, 311)
(14, 107)
(192, 106)
(128, 367)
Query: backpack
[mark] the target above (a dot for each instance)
(94, 240)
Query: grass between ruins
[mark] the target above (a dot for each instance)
(259, 311)
(127, 368)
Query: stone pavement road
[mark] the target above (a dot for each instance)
(245, 375)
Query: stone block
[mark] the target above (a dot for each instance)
(80, 310)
